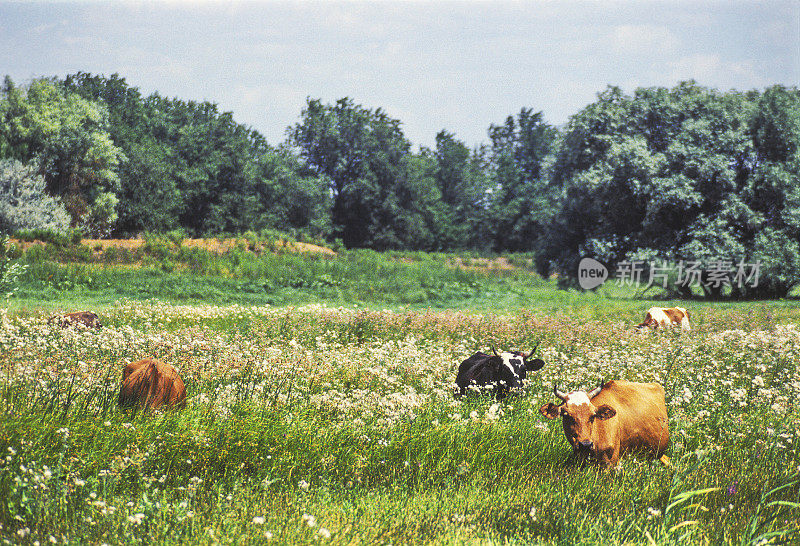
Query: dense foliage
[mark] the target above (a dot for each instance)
(190, 166)
(67, 138)
(681, 174)
(24, 202)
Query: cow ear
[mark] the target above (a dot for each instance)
(535, 364)
(605, 412)
(550, 410)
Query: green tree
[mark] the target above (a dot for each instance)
(462, 182)
(67, 136)
(24, 203)
(364, 156)
(772, 190)
(522, 201)
(210, 160)
(191, 166)
(149, 199)
(290, 196)
(656, 174)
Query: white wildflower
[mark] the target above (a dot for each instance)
(653, 512)
(136, 519)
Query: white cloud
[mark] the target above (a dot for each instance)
(710, 69)
(434, 65)
(643, 39)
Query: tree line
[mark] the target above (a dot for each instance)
(686, 173)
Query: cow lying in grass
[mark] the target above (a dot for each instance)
(615, 418)
(666, 317)
(85, 318)
(501, 373)
(152, 384)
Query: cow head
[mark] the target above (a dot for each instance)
(512, 367)
(649, 322)
(579, 416)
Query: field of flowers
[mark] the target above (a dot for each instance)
(335, 425)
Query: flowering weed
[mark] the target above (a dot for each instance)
(315, 424)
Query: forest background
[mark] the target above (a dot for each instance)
(661, 175)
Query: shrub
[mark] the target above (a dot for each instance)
(24, 203)
(70, 237)
(10, 270)
(158, 246)
(111, 255)
(99, 219)
(176, 236)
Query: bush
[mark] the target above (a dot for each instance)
(159, 246)
(176, 236)
(24, 203)
(10, 270)
(111, 255)
(71, 237)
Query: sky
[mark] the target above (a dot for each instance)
(434, 65)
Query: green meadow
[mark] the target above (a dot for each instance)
(321, 410)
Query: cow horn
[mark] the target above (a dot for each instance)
(558, 393)
(595, 391)
(533, 351)
(494, 351)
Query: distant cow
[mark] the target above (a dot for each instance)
(150, 383)
(502, 372)
(666, 317)
(612, 419)
(86, 318)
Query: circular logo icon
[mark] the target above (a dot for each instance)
(591, 273)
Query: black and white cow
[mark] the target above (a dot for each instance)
(500, 373)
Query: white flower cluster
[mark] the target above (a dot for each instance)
(309, 356)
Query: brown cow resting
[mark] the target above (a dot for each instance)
(150, 383)
(85, 318)
(612, 419)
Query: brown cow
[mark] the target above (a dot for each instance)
(85, 318)
(150, 383)
(612, 419)
(666, 317)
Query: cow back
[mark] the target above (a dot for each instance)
(473, 369)
(641, 420)
(151, 383)
(675, 314)
(86, 318)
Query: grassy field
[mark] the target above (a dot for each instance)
(322, 411)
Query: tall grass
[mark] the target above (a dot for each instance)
(311, 424)
(163, 269)
(191, 274)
